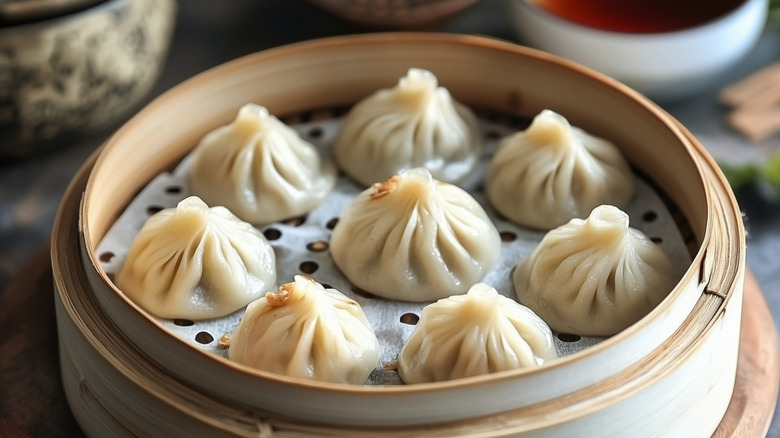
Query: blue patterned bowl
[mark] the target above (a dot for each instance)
(66, 77)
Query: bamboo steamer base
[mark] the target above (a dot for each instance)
(32, 400)
(671, 374)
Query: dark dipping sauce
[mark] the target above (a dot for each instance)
(639, 16)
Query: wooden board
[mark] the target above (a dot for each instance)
(758, 370)
(31, 394)
(32, 402)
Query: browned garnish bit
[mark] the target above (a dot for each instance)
(383, 189)
(224, 341)
(280, 298)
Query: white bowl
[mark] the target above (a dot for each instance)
(665, 65)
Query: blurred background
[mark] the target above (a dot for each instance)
(207, 33)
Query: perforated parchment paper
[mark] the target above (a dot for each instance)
(300, 245)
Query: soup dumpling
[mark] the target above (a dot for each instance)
(413, 238)
(196, 262)
(553, 172)
(260, 169)
(477, 333)
(595, 276)
(414, 124)
(307, 331)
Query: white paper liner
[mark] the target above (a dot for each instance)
(385, 315)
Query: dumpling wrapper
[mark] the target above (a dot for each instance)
(477, 333)
(595, 276)
(413, 238)
(260, 169)
(414, 124)
(553, 172)
(195, 262)
(309, 332)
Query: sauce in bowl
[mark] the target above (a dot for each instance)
(648, 16)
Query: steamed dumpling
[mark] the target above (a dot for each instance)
(307, 331)
(595, 277)
(413, 238)
(196, 262)
(553, 172)
(415, 124)
(469, 335)
(260, 169)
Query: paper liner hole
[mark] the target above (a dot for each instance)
(657, 239)
(295, 221)
(181, 322)
(508, 236)
(272, 234)
(410, 318)
(332, 223)
(493, 135)
(106, 256)
(650, 216)
(315, 132)
(153, 209)
(204, 338)
(308, 267)
(317, 246)
(173, 190)
(569, 337)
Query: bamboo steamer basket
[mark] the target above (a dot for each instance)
(670, 374)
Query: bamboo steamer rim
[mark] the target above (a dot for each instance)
(64, 237)
(407, 38)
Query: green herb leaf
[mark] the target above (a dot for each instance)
(740, 176)
(773, 16)
(771, 173)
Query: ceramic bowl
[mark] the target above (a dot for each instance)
(76, 74)
(664, 66)
(399, 14)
